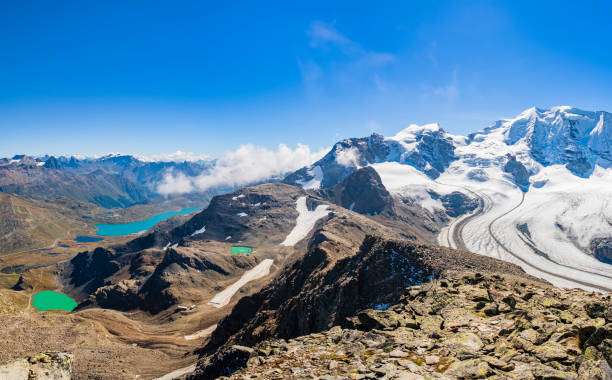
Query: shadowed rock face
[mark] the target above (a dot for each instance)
(52, 163)
(518, 171)
(433, 153)
(334, 168)
(362, 192)
(602, 249)
(457, 203)
(92, 268)
(318, 292)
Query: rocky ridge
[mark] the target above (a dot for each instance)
(466, 325)
(333, 283)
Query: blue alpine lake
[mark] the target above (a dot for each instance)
(143, 225)
(87, 239)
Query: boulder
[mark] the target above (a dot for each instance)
(470, 369)
(44, 366)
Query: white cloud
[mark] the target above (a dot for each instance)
(450, 92)
(374, 126)
(430, 54)
(325, 35)
(175, 184)
(311, 72)
(347, 157)
(178, 156)
(248, 164)
(381, 85)
(321, 34)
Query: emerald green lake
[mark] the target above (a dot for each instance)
(143, 225)
(241, 250)
(49, 300)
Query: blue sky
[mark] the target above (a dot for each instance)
(90, 77)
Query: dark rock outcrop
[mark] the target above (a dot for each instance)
(457, 203)
(518, 171)
(92, 268)
(226, 361)
(433, 153)
(343, 159)
(52, 163)
(602, 249)
(362, 192)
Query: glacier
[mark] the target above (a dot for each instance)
(543, 179)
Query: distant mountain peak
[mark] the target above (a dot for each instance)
(413, 130)
(560, 135)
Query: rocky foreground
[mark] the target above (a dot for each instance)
(465, 326)
(44, 366)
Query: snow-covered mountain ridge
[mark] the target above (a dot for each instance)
(543, 179)
(561, 135)
(579, 140)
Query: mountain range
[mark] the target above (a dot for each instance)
(81, 192)
(109, 181)
(421, 255)
(542, 180)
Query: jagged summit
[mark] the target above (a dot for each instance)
(562, 135)
(414, 130)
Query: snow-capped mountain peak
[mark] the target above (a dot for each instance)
(537, 178)
(561, 135)
(412, 132)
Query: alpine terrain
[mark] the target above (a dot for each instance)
(541, 183)
(422, 255)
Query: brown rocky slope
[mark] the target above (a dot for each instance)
(331, 285)
(466, 325)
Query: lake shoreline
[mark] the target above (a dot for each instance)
(122, 229)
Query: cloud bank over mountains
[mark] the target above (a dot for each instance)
(247, 165)
(178, 156)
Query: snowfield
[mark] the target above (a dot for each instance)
(305, 222)
(202, 333)
(546, 230)
(178, 373)
(315, 181)
(200, 231)
(408, 181)
(261, 270)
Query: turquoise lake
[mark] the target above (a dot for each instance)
(143, 225)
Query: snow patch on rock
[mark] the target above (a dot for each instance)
(197, 232)
(261, 270)
(305, 221)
